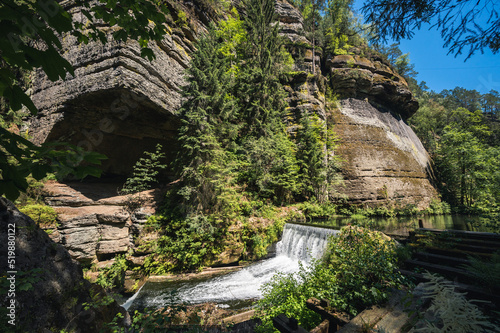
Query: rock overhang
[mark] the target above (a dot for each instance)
(116, 103)
(360, 77)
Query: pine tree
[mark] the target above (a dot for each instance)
(209, 127)
(146, 171)
(260, 92)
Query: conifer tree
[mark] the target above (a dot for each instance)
(271, 169)
(208, 129)
(259, 90)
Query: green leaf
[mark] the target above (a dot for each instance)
(25, 286)
(147, 53)
(21, 98)
(39, 171)
(9, 189)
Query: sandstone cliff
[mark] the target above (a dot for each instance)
(121, 105)
(50, 291)
(384, 161)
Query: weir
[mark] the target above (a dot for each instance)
(300, 243)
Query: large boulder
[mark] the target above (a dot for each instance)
(94, 222)
(50, 293)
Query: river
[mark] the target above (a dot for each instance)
(300, 243)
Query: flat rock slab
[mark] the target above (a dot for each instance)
(366, 319)
(103, 214)
(390, 318)
(94, 221)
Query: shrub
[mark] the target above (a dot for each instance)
(365, 262)
(357, 270)
(145, 172)
(186, 243)
(114, 276)
(437, 207)
(314, 210)
(43, 215)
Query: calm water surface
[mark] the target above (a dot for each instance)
(402, 225)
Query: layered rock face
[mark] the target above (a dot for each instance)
(95, 222)
(121, 105)
(49, 286)
(358, 77)
(117, 103)
(384, 161)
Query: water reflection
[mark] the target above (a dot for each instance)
(403, 224)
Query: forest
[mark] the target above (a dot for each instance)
(246, 164)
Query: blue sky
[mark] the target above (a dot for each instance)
(442, 71)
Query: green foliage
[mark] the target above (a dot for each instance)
(33, 194)
(256, 239)
(271, 167)
(314, 210)
(235, 143)
(486, 272)
(365, 262)
(469, 166)
(233, 34)
(43, 215)
(113, 276)
(399, 61)
(182, 19)
(460, 137)
(357, 269)
(453, 312)
(437, 207)
(146, 171)
(288, 293)
(31, 40)
(186, 243)
(339, 26)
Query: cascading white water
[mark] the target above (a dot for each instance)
(299, 243)
(303, 242)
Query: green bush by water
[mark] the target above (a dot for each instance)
(357, 270)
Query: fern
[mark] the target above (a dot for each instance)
(453, 312)
(486, 272)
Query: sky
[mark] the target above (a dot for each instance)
(442, 71)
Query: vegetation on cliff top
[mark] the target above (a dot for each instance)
(460, 130)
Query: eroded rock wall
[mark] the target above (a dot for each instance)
(384, 162)
(117, 103)
(121, 105)
(94, 222)
(50, 289)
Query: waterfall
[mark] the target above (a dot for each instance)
(300, 243)
(303, 242)
(129, 302)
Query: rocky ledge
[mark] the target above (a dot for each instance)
(355, 76)
(50, 291)
(94, 222)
